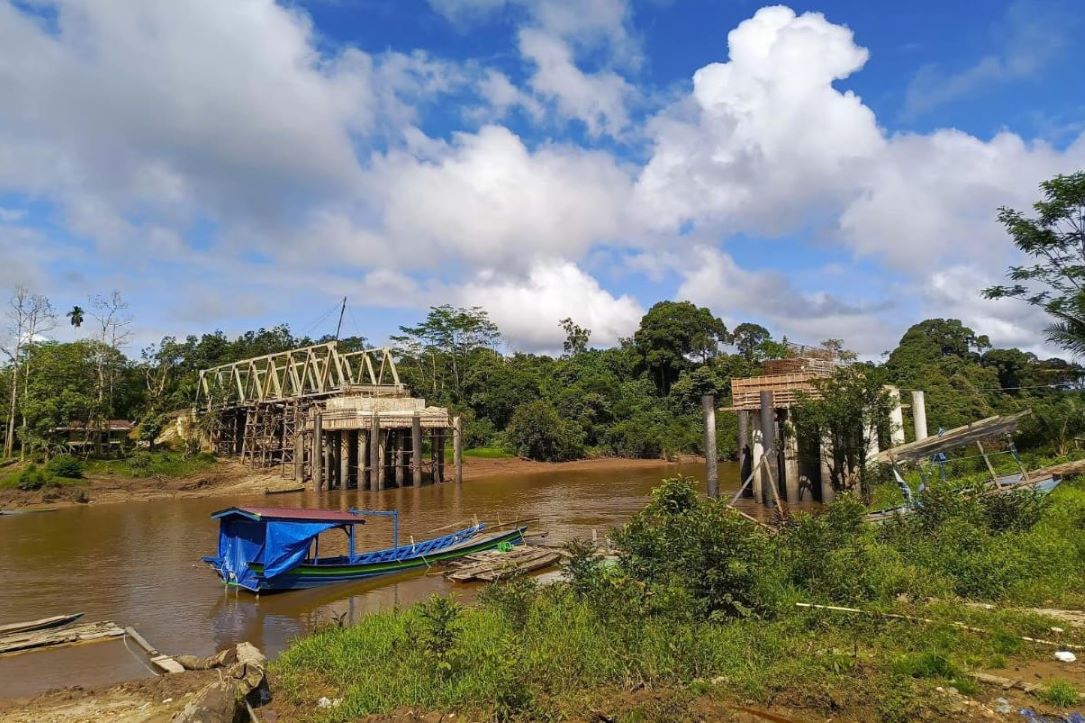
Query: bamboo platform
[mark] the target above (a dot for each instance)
(492, 565)
(85, 633)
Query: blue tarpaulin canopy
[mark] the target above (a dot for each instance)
(276, 538)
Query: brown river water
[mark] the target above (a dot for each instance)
(138, 564)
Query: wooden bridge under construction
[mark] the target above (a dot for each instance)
(338, 419)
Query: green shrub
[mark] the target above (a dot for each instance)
(436, 629)
(925, 665)
(32, 478)
(539, 432)
(683, 546)
(65, 465)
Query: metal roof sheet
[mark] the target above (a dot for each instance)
(295, 514)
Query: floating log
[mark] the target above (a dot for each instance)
(488, 567)
(86, 633)
(29, 625)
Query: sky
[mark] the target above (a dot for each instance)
(826, 169)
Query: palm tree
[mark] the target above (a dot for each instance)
(76, 316)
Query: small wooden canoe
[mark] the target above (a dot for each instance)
(54, 622)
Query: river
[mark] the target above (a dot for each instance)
(138, 564)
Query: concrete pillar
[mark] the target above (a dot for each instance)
(457, 450)
(362, 456)
(416, 450)
(896, 418)
(329, 460)
(768, 445)
(708, 403)
(374, 453)
(919, 415)
(826, 452)
(870, 432)
(398, 456)
(318, 453)
(757, 452)
(791, 458)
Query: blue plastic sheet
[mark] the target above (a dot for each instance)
(288, 542)
(240, 542)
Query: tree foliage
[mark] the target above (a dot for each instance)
(1055, 241)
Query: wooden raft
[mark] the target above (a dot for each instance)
(85, 633)
(493, 564)
(55, 621)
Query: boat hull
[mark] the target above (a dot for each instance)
(307, 576)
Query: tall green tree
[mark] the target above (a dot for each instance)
(673, 334)
(441, 346)
(576, 337)
(1054, 239)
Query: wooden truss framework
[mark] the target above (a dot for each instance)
(311, 371)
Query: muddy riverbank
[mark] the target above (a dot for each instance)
(231, 478)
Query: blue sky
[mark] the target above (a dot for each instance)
(829, 169)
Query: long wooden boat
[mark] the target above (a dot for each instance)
(268, 549)
(41, 624)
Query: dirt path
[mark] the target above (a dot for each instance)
(230, 477)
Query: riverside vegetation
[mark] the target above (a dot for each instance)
(700, 610)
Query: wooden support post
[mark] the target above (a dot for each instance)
(416, 450)
(374, 453)
(791, 457)
(343, 455)
(318, 453)
(329, 460)
(437, 455)
(397, 456)
(987, 460)
(352, 476)
(743, 442)
(919, 415)
(299, 457)
(363, 459)
(457, 450)
(708, 403)
(382, 453)
(335, 456)
(757, 453)
(768, 442)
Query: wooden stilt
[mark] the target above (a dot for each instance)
(457, 449)
(382, 464)
(375, 482)
(416, 450)
(299, 457)
(351, 456)
(317, 454)
(437, 455)
(398, 456)
(363, 459)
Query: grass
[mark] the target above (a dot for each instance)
(151, 464)
(480, 453)
(1060, 694)
(702, 604)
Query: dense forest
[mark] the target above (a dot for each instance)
(640, 398)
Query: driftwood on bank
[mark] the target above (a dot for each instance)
(85, 633)
(163, 662)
